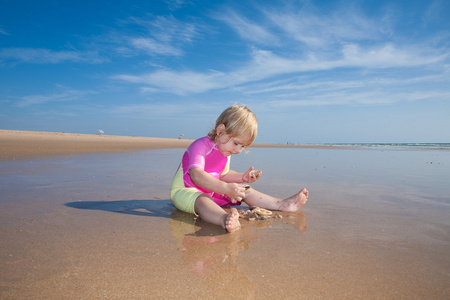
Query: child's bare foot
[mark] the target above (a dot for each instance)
(232, 221)
(295, 202)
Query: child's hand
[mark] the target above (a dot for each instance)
(236, 192)
(251, 175)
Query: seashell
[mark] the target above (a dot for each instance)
(254, 173)
(262, 211)
(278, 216)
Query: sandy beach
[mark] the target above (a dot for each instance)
(16, 144)
(89, 217)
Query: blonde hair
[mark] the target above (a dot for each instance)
(239, 120)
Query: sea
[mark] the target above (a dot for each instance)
(393, 146)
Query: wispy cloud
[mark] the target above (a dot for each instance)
(436, 12)
(176, 4)
(301, 85)
(359, 97)
(152, 47)
(267, 65)
(281, 26)
(166, 110)
(150, 36)
(3, 31)
(373, 90)
(318, 31)
(180, 83)
(46, 56)
(343, 39)
(63, 94)
(247, 29)
(168, 28)
(161, 35)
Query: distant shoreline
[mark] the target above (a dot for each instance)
(19, 144)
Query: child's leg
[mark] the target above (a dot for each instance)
(210, 212)
(255, 198)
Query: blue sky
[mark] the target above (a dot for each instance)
(312, 71)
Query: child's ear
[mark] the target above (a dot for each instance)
(220, 129)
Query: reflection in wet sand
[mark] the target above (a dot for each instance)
(212, 255)
(96, 226)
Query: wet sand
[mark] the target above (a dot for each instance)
(100, 225)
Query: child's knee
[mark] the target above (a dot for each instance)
(202, 199)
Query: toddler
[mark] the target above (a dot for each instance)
(204, 182)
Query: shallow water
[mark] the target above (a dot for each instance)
(104, 222)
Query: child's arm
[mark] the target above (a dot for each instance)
(249, 176)
(204, 180)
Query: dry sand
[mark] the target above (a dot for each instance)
(27, 144)
(16, 145)
(102, 226)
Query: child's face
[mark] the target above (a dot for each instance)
(231, 145)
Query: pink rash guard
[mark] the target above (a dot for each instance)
(204, 154)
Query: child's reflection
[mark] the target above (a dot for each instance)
(204, 247)
(210, 253)
(297, 220)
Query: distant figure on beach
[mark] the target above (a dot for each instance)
(204, 182)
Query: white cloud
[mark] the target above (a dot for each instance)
(64, 94)
(295, 43)
(176, 4)
(4, 32)
(436, 11)
(342, 39)
(349, 89)
(154, 47)
(247, 29)
(167, 110)
(179, 83)
(351, 97)
(46, 56)
(267, 65)
(304, 85)
(159, 36)
(149, 90)
(170, 29)
(386, 56)
(283, 26)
